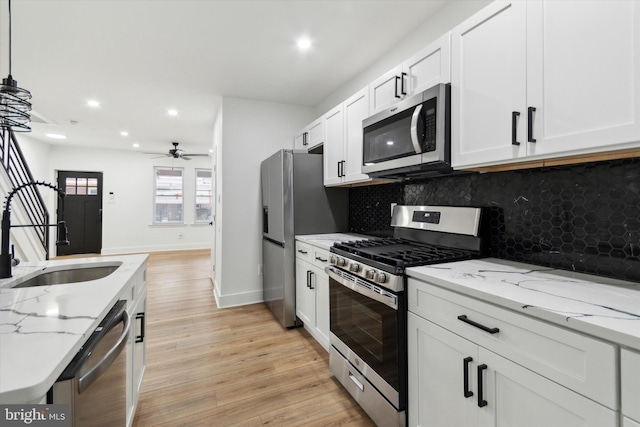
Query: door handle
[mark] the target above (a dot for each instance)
(402, 76)
(481, 402)
(141, 316)
(514, 128)
(311, 280)
(465, 374)
(395, 93)
(414, 129)
(90, 377)
(530, 137)
(308, 279)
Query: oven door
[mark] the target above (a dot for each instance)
(367, 326)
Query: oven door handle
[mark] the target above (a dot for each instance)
(362, 290)
(414, 129)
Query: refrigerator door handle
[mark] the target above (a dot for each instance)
(265, 219)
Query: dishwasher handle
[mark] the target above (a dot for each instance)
(90, 377)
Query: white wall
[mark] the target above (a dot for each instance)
(126, 222)
(251, 131)
(448, 17)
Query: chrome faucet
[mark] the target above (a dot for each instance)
(7, 259)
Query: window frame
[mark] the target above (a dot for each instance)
(155, 196)
(195, 197)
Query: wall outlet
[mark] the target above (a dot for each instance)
(393, 205)
(260, 270)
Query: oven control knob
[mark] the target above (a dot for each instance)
(369, 274)
(380, 277)
(334, 259)
(354, 267)
(341, 262)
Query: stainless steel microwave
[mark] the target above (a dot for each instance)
(412, 138)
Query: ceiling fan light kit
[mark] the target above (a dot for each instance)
(15, 107)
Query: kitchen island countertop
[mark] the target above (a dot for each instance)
(42, 328)
(605, 308)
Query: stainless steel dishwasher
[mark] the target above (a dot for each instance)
(94, 384)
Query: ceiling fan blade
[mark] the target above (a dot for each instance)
(183, 157)
(196, 155)
(149, 152)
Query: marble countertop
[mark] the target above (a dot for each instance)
(325, 241)
(42, 328)
(605, 308)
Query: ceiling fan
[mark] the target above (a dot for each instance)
(177, 153)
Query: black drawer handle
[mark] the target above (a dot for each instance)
(140, 338)
(465, 319)
(514, 128)
(530, 137)
(302, 252)
(465, 372)
(321, 259)
(481, 402)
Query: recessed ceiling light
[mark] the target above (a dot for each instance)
(124, 133)
(93, 103)
(172, 112)
(211, 150)
(136, 145)
(56, 136)
(389, 142)
(304, 43)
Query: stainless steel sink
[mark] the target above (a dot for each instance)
(67, 274)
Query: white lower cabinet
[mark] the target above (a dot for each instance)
(312, 292)
(459, 379)
(630, 387)
(137, 345)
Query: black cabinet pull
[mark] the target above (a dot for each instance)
(305, 136)
(514, 128)
(396, 88)
(481, 402)
(402, 90)
(321, 259)
(339, 169)
(465, 372)
(308, 279)
(302, 252)
(140, 338)
(311, 273)
(530, 137)
(465, 319)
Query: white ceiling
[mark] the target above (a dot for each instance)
(142, 57)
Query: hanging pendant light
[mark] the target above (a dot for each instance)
(15, 107)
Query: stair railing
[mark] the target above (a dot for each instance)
(19, 173)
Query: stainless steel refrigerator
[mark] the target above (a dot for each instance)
(294, 202)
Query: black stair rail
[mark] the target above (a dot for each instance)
(19, 174)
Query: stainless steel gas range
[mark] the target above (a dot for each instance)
(368, 316)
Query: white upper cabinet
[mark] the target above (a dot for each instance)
(311, 136)
(343, 141)
(538, 79)
(425, 69)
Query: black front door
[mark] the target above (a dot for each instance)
(82, 211)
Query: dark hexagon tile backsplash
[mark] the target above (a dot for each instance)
(582, 217)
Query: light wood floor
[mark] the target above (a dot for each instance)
(229, 367)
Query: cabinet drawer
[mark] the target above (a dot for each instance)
(580, 363)
(304, 251)
(630, 378)
(321, 258)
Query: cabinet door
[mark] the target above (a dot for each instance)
(386, 90)
(356, 109)
(488, 84)
(305, 295)
(334, 146)
(583, 74)
(630, 382)
(316, 133)
(321, 284)
(516, 396)
(429, 67)
(300, 142)
(436, 376)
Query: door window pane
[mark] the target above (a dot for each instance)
(81, 186)
(203, 195)
(168, 195)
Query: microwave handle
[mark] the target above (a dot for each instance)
(414, 129)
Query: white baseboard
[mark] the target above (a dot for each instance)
(156, 248)
(235, 300)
